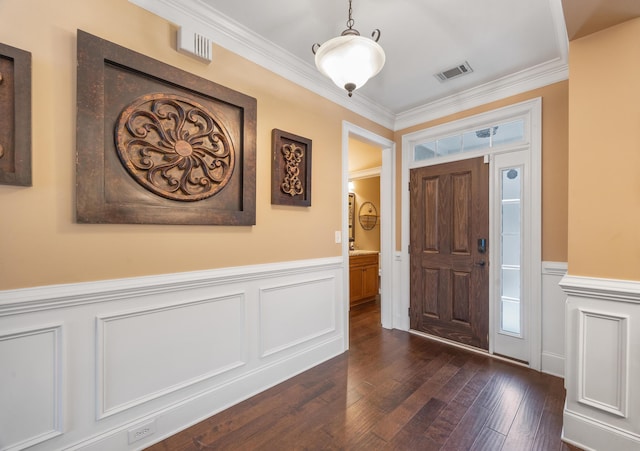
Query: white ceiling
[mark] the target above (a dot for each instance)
(512, 46)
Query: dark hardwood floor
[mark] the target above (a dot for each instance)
(392, 391)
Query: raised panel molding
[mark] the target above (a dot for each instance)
(295, 313)
(602, 408)
(30, 386)
(183, 344)
(602, 358)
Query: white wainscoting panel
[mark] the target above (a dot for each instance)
(602, 359)
(292, 314)
(400, 292)
(181, 344)
(30, 388)
(158, 353)
(553, 300)
(602, 409)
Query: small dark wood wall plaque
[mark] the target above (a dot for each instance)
(290, 169)
(15, 116)
(157, 145)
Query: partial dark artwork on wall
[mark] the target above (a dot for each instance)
(15, 116)
(157, 145)
(290, 169)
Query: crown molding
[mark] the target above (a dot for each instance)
(536, 77)
(227, 33)
(365, 173)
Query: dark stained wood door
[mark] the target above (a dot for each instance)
(449, 273)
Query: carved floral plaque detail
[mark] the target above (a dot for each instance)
(293, 155)
(174, 147)
(290, 169)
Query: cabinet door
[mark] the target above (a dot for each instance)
(370, 281)
(355, 284)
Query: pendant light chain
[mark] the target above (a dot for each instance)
(350, 22)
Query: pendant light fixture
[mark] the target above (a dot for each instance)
(350, 59)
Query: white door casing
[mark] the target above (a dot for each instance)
(387, 220)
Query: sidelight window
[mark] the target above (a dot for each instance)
(511, 250)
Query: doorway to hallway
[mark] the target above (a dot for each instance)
(385, 219)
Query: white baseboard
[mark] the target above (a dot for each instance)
(553, 364)
(591, 435)
(188, 412)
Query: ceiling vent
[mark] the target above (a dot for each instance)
(454, 72)
(194, 44)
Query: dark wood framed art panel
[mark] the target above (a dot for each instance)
(290, 169)
(15, 116)
(158, 145)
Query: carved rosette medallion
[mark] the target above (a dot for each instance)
(174, 147)
(293, 155)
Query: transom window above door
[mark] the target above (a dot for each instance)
(471, 140)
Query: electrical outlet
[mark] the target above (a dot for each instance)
(141, 431)
(338, 237)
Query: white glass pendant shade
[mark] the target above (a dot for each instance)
(350, 60)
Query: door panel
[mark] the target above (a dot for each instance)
(449, 276)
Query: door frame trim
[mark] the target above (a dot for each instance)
(387, 220)
(532, 110)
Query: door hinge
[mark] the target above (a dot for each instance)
(409, 311)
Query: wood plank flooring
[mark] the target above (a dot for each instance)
(392, 391)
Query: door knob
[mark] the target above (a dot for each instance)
(480, 263)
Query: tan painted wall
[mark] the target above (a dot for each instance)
(363, 155)
(40, 244)
(604, 154)
(555, 116)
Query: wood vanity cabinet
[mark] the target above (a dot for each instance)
(363, 278)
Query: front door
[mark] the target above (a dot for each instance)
(449, 252)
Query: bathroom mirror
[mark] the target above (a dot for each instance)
(352, 206)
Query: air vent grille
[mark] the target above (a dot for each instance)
(454, 72)
(194, 44)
